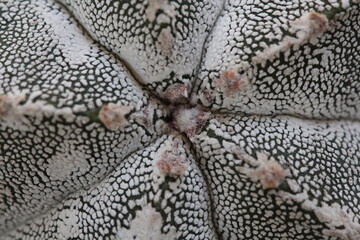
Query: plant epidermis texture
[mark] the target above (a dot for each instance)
(179, 119)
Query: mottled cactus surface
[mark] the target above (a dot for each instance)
(179, 119)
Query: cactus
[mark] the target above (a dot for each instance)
(169, 119)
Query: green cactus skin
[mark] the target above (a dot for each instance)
(170, 119)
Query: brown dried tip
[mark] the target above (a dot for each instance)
(230, 82)
(172, 165)
(114, 116)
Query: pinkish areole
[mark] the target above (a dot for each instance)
(177, 93)
(114, 116)
(230, 82)
(172, 165)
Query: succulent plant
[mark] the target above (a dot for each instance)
(170, 119)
